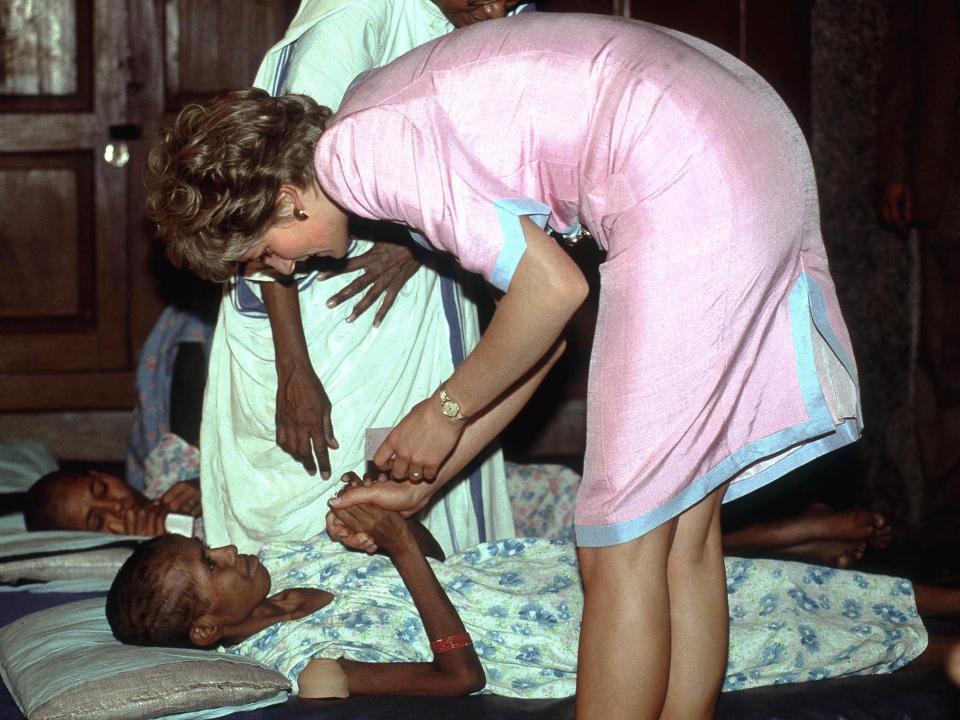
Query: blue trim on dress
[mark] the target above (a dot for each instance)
(249, 304)
(420, 240)
(812, 438)
(283, 65)
(509, 213)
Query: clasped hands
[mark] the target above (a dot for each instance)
(409, 460)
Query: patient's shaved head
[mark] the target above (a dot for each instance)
(153, 599)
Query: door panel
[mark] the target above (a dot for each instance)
(79, 294)
(63, 308)
(210, 47)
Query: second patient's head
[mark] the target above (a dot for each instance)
(80, 500)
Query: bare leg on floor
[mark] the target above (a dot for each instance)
(819, 534)
(624, 655)
(698, 613)
(938, 602)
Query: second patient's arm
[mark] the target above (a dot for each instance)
(451, 673)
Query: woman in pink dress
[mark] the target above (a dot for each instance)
(721, 360)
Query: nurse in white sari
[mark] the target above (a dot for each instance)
(253, 490)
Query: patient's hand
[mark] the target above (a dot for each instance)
(386, 528)
(337, 530)
(183, 497)
(141, 520)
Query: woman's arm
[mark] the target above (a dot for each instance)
(408, 498)
(455, 672)
(544, 292)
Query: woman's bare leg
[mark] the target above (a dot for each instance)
(698, 613)
(625, 636)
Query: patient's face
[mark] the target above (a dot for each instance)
(232, 584)
(94, 501)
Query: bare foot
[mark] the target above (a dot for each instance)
(833, 553)
(822, 523)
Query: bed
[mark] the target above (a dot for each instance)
(68, 573)
(906, 695)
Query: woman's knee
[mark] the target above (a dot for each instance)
(635, 558)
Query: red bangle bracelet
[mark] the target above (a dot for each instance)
(451, 642)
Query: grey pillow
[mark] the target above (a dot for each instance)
(100, 564)
(64, 664)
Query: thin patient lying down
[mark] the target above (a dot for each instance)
(96, 501)
(501, 617)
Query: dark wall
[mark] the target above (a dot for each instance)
(873, 268)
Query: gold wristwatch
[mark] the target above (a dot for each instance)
(450, 407)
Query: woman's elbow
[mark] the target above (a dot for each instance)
(465, 680)
(570, 291)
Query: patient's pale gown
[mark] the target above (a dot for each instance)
(521, 602)
(720, 351)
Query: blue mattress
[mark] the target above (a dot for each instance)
(904, 695)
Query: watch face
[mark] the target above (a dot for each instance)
(450, 408)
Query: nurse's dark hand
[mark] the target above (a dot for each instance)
(303, 418)
(386, 268)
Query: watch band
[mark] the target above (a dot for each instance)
(450, 407)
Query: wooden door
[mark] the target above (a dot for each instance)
(64, 334)
(85, 86)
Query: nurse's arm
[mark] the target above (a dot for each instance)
(304, 425)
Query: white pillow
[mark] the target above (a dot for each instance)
(22, 463)
(64, 664)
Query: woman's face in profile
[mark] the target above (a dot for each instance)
(467, 12)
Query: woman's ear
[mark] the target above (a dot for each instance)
(205, 633)
(288, 201)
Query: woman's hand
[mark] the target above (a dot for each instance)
(386, 494)
(303, 417)
(417, 447)
(183, 497)
(386, 268)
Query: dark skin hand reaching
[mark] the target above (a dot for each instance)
(386, 268)
(304, 421)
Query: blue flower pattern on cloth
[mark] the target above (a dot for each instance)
(521, 602)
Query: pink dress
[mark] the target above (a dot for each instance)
(720, 352)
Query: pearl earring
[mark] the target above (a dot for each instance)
(299, 214)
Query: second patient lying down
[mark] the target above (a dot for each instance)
(100, 502)
(502, 617)
(97, 501)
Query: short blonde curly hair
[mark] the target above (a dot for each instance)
(214, 176)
